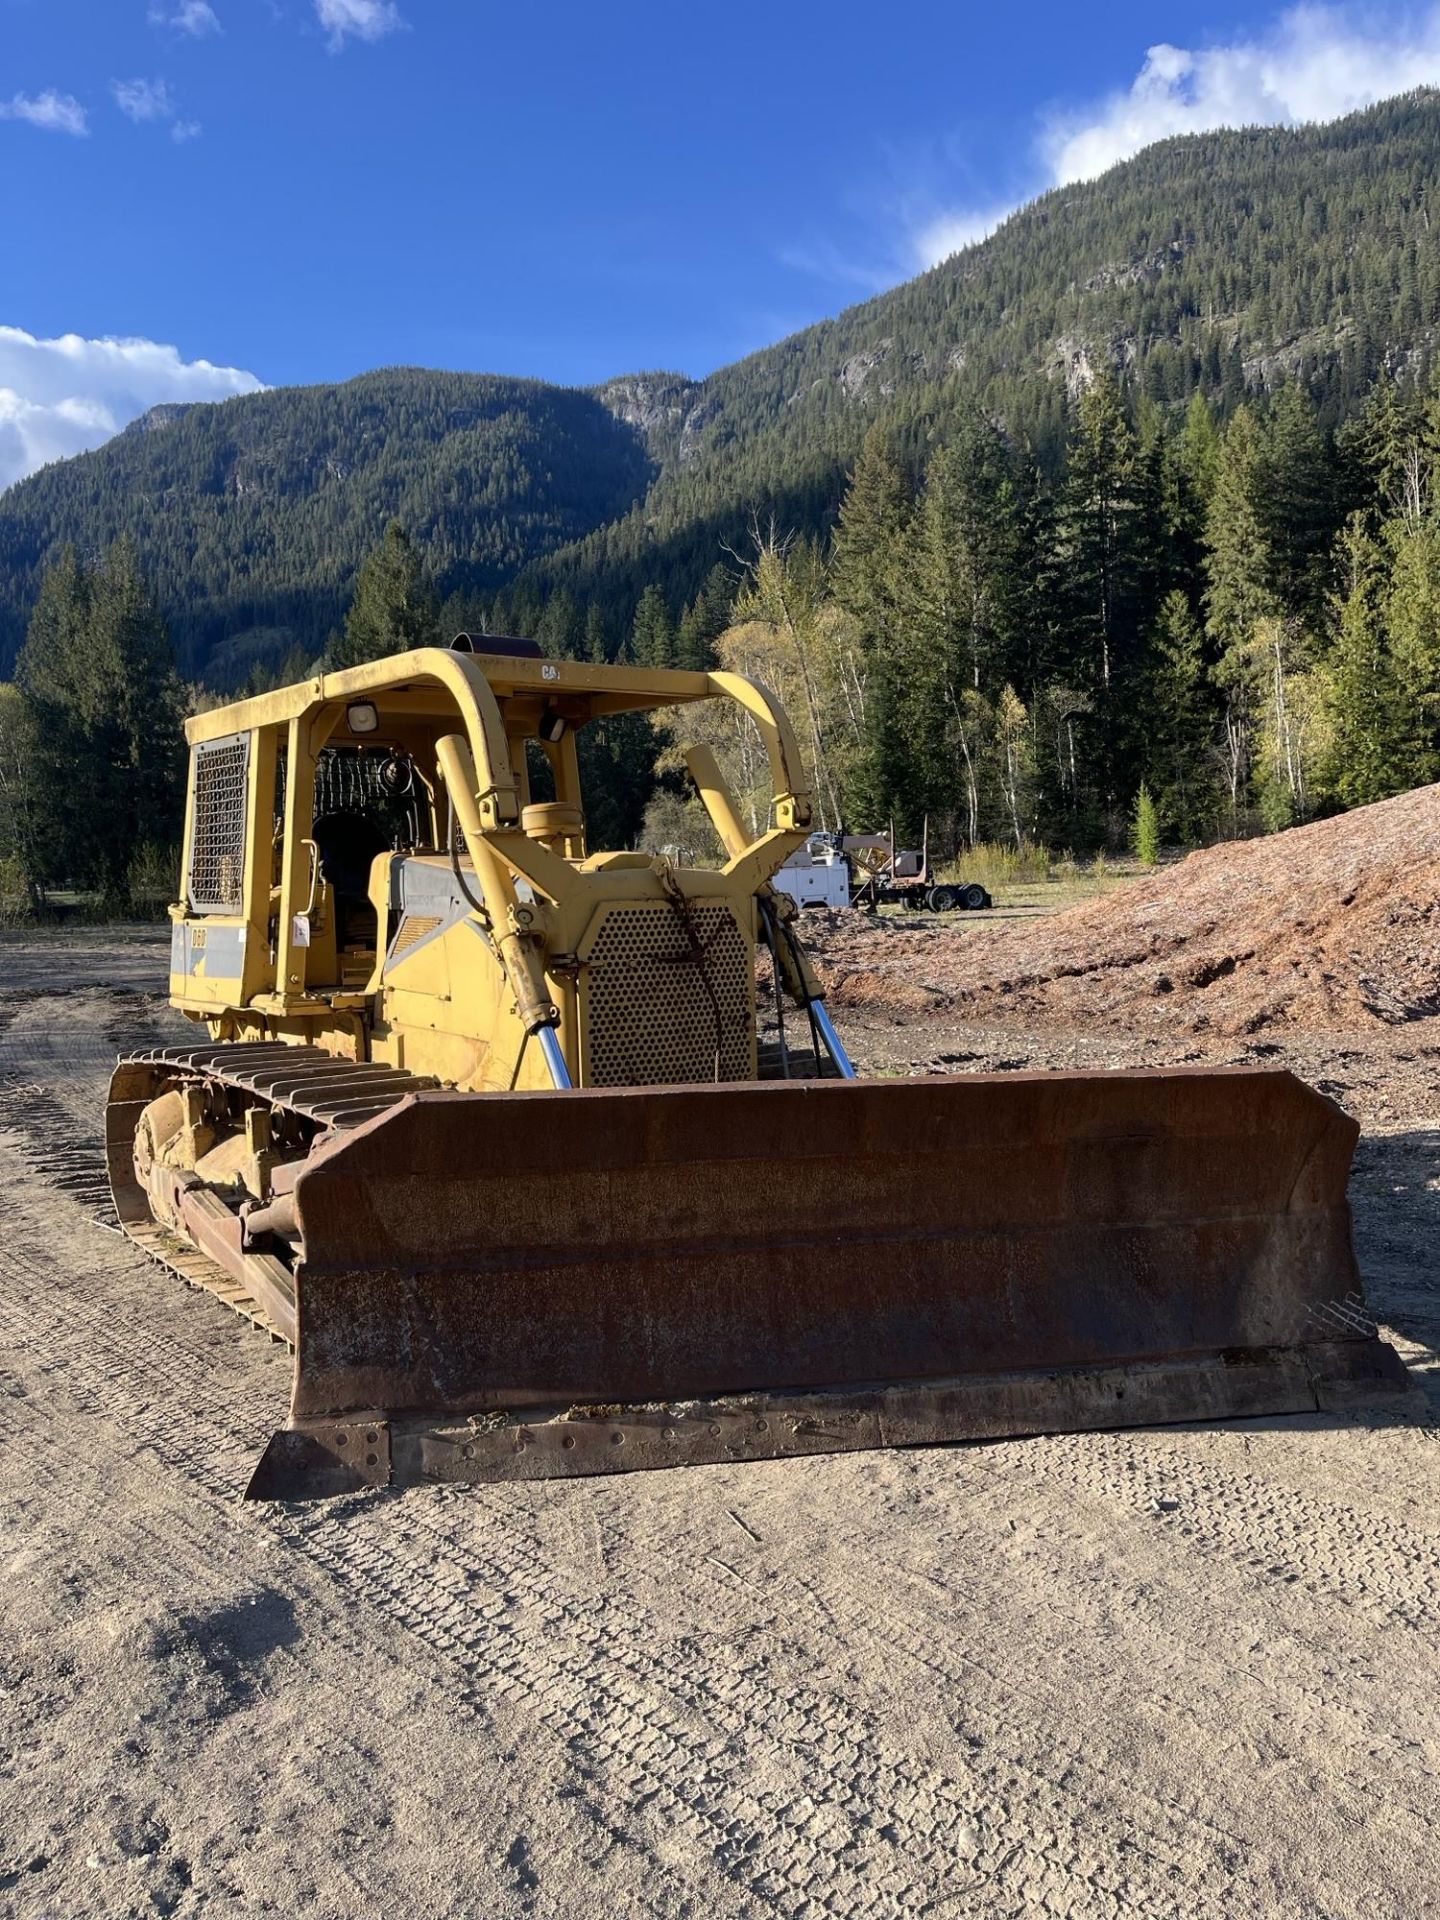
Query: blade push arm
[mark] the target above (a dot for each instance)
(518, 953)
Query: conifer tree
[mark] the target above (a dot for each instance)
(704, 620)
(394, 606)
(98, 677)
(1145, 829)
(21, 828)
(1412, 629)
(1198, 450)
(969, 539)
(652, 636)
(560, 630)
(1097, 529)
(1297, 505)
(1238, 593)
(870, 530)
(1374, 751)
(867, 566)
(1182, 722)
(597, 635)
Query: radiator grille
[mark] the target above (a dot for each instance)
(217, 845)
(413, 927)
(650, 1019)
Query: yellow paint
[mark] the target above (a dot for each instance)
(451, 1004)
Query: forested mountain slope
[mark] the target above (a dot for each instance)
(251, 517)
(1224, 263)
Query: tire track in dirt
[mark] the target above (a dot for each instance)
(862, 1828)
(114, 1372)
(591, 1673)
(748, 1746)
(894, 1596)
(185, 1662)
(1365, 1560)
(1051, 1862)
(56, 1054)
(206, 1449)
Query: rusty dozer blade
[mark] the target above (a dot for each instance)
(526, 1285)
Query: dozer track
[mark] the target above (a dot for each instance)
(315, 1087)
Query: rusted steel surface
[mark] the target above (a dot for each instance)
(325, 1458)
(463, 1253)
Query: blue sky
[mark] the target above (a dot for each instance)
(296, 190)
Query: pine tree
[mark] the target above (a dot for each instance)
(1238, 594)
(867, 565)
(394, 606)
(1182, 731)
(1097, 528)
(1297, 505)
(1389, 438)
(560, 630)
(652, 636)
(98, 677)
(1412, 630)
(1374, 751)
(704, 620)
(1145, 829)
(1198, 450)
(968, 536)
(870, 529)
(21, 828)
(597, 635)
(618, 755)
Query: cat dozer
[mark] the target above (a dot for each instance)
(539, 1173)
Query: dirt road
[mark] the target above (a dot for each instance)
(1183, 1674)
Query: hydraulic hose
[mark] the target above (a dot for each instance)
(517, 949)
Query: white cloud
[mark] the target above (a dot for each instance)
(55, 112)
(365, 19)
(59, 397)
(946, 233)
(152, 100)
(1313, 63)
(143, 99)
(195, 17)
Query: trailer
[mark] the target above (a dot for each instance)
(884, 874)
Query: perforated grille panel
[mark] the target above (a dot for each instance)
(661, 1013)
(217, 848)
(413, 927)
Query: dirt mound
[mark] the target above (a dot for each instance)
(1330, 925)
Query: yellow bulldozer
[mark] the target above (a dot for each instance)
(547, 1159)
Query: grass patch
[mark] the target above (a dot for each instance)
(993, 864)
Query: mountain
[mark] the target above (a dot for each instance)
(1227, 263)
(252, 516)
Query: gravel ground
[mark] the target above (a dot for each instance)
(1185, 1674)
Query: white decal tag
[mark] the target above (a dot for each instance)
(300, 930)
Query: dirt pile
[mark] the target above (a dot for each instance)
(1330, 925)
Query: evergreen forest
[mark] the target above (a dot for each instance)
(1141, 496)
